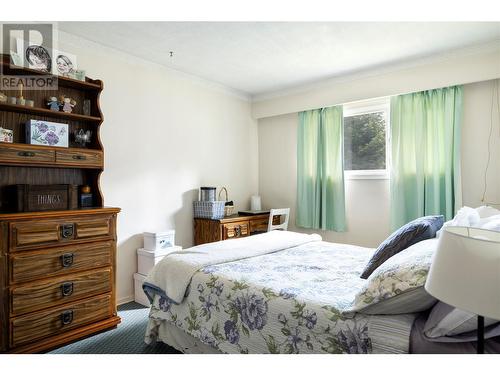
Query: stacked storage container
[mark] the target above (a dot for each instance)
(156, 246)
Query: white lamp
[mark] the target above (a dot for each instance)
(465, 273)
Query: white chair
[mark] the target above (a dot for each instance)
(278, 212)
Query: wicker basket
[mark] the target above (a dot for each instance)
(209, 209)
(228, 210)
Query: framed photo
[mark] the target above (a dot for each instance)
(64, 64)
(37, 56)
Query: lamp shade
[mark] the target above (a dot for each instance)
(465, 272)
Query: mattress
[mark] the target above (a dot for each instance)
(289, 301)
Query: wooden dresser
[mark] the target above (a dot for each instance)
(57, 268)
(57, 279)
(235, 226)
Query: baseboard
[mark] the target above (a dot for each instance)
(121, 301)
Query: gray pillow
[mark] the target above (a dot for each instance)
(409, 234)
(445, 320)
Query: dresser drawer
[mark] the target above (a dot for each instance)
(80, 158)
(21, 154)
(235, 230)
(97, 227)
(34, 265)
(259, 225)
(39, 233)
(32, 233)
(56, 291)
(31, 327)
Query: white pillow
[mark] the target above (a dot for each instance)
(446, 320)
(484, 217)
(466, 216)
(490, 223)
(487, 211)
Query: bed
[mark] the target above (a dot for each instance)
(293, 300)
(285, 292)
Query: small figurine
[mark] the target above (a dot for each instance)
(68, 105)
(3, 97)
(53, 104)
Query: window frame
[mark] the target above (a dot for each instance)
(362, 108)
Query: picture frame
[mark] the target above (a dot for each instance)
(64, 64)
(45, 133)
(37, 56)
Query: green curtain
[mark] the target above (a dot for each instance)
(320, 172)
(425, 137)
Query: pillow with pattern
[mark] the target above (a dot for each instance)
(415, 231)
(397, 286)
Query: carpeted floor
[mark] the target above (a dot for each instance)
(128, 338)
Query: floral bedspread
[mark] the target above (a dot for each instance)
(285, 302)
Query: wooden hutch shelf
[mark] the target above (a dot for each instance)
(57, 267)
(88, 84)
(17, 154)
(48, 113)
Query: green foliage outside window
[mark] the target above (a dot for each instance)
(364, 142)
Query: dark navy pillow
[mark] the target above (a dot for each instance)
(409, 234)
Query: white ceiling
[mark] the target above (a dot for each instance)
(261, 57)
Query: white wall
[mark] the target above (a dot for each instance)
(475, 134)
(164, 134)
(367, 201)
(475, 64)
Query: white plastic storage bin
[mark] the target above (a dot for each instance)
(159, 240)
(146, 259)
(140, 296)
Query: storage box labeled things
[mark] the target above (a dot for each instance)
(147, 259)
(44, 197)
(47, 133)
(159, 240)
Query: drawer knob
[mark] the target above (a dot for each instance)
(67, 317)
(67, 289)
(79, 157)
(67, 230)
(27, 154)
(67, 259)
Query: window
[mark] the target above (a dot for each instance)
(366, 135)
